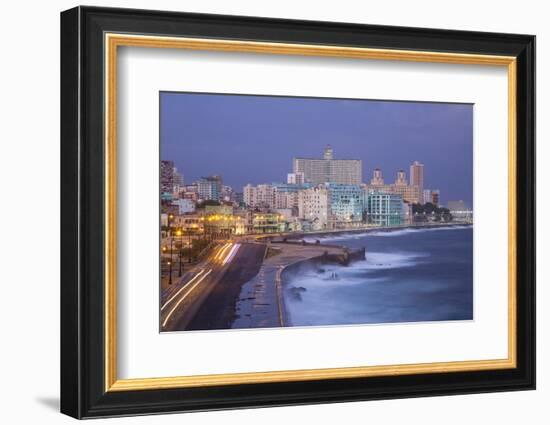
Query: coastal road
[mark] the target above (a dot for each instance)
(205, 297)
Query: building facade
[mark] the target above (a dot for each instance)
(409, 193)
(166, 176)
(270, 222)
(261, 196)
(185, 206)
(328, 169)
(178, 177)
(460, 211)
(209, 188)
(313, 206)
(385, 209)
(346, 204)
(417, 175)
(377, 179)
(295, 178)
(435, 197)
(426, 196)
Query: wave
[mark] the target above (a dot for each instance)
(357, 272)
(384, 233)
(338, 294)
(412, 282)
(406, 231)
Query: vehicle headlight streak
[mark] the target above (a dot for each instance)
(185, 296)
(222, 251)
(181, 289)
(231, 254)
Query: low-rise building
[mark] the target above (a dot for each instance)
(460, 211)
(435, 197)
(268, 222)
(185, 206)
(218, 209)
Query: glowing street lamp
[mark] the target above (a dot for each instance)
(180, 234)
(170, 263)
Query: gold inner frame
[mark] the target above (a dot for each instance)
(113, 41)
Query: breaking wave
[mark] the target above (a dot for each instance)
(401, 280)
(384, 233)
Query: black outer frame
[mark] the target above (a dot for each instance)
(82, 212)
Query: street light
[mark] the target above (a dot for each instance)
(180, 233)
(170, 262)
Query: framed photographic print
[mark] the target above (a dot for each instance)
(261, 212)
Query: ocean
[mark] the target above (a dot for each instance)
(408, 275)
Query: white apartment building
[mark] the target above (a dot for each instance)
(261, 196)
(313, 206)
(286, 199)
(295, 178)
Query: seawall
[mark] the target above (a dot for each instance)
(345, 257)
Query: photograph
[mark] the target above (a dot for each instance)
(279, 211)
(288, 209)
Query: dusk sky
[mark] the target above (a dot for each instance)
(252, 139)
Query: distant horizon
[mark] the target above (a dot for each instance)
(249, 139)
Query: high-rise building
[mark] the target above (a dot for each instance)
(239, 197)
(401, 179)
(209, 188)
(328, 153)
(409, 193)
(286, 199)
(328, 169)
(261, 196)
(250, 195)
(286, 195)
(166, 176)
(417, 175)
(377, 179)
(178, 178)
(313, 206)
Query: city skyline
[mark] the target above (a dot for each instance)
(195, 126)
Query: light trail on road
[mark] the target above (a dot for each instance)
(181, 289)
(185, 296)
(215, 254)
(231, 253)
(222, 251)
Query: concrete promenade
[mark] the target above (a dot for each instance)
(261, 303)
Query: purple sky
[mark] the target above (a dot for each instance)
(252, 139)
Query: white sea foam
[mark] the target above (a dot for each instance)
(409, 230)
(381, 289)
(354, 273)
(384, 233)
(325, 303)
